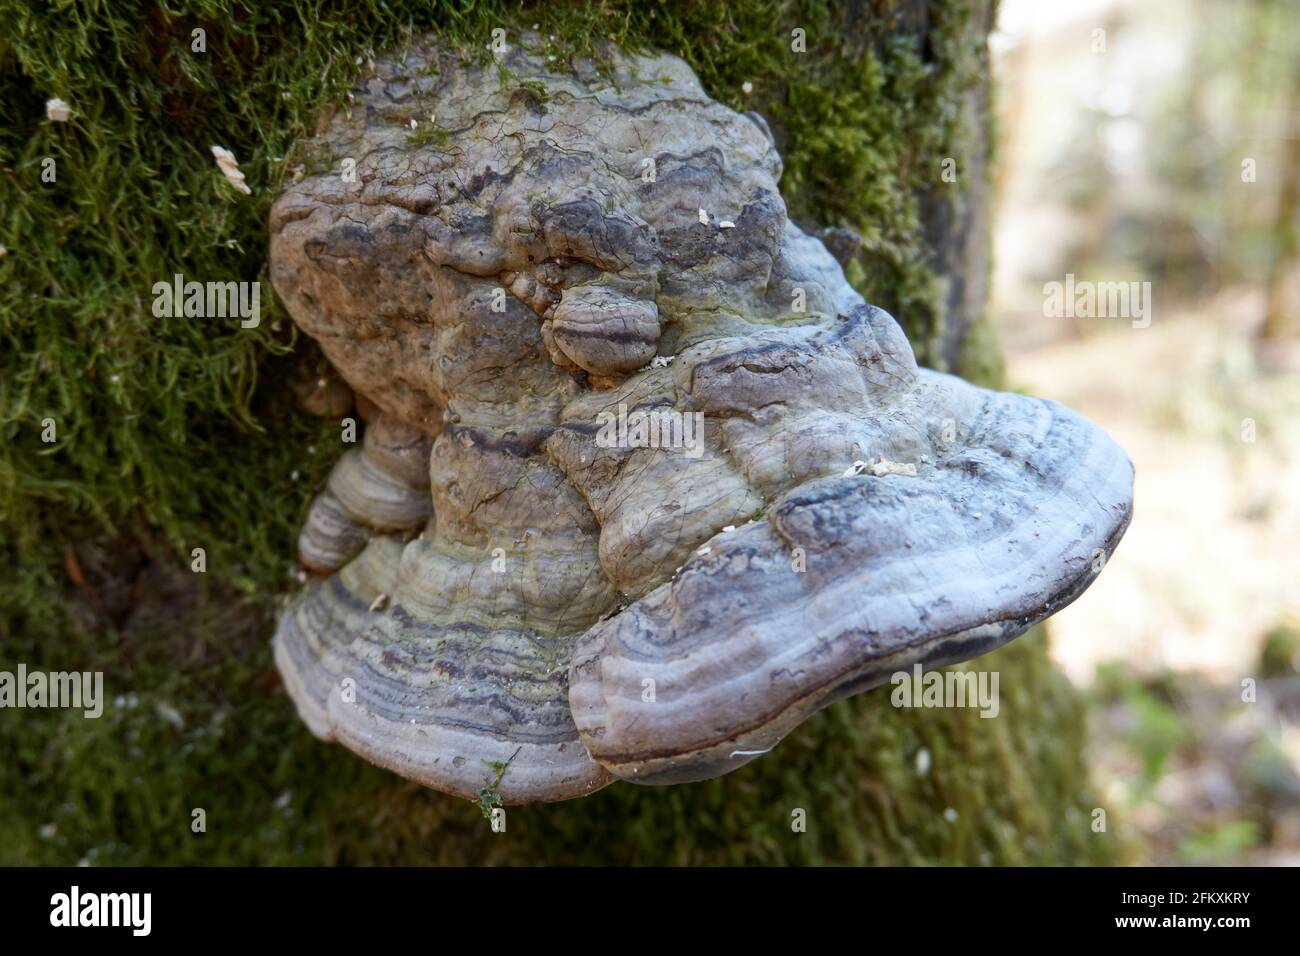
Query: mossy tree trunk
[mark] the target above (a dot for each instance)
(99, 532)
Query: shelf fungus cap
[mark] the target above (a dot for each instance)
(637, 493)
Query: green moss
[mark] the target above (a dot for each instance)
(489, 795)
(176, 433)
(428, 133)
(981, 355)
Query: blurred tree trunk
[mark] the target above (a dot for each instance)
(1280, 319)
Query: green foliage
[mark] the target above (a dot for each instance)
(177, 433)
(1157, 731)
(1280, 654)
(489, 795)
(1218, 845)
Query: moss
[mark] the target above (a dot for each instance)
(428, 133)
(175, 434)
(489, 795)
(981, 359)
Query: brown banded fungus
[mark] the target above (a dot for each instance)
(501, 594)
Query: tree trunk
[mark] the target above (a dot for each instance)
(886, 92)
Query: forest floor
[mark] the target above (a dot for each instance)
(1199, 610)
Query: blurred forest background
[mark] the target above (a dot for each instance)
(1159, 140)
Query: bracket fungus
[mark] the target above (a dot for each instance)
(505, 592)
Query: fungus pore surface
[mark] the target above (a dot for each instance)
(644, 482)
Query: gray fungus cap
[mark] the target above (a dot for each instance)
(644, 481)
